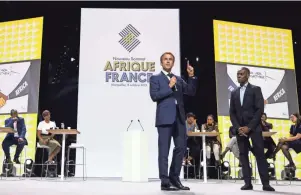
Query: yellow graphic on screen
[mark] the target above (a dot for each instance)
(29, 150)
(253, 45)
(282, 127)
(21, 40)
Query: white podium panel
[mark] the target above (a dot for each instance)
(135, 156)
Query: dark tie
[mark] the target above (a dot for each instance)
(170, 75)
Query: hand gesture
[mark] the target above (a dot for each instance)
(20, 140)
(190, 70)
(243, 130)
(3, 99)
(172, 82)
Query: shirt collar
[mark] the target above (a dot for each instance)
(165, 72)
(245, 85)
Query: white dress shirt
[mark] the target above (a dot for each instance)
(242, 91)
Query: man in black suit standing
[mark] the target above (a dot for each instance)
(246, 107)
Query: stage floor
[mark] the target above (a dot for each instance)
(14, 186)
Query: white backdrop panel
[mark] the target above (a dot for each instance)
(105, 110)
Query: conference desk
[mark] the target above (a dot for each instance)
(63, 132)
(268, 133)
(7, 130)
(203, 135)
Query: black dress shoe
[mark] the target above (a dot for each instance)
(168, 187)
(177, 183)
(16, 160)
(247, 187)
(8, 161)
(268, 188)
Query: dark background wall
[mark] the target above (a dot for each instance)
(61, 40)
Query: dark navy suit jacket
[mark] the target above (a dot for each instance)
(161, 93)
(21, 128)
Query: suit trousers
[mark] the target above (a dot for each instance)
(176, 131)
(8, 142)
(258, 151)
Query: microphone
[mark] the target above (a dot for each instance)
(129, 125)
(141, 125)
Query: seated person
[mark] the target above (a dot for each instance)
(212, 143)
(293, 142)
(46, 138)
(268, 141)
(192, 142)
(17, 123)
(232, 145)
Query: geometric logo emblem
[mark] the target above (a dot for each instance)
(129, 38)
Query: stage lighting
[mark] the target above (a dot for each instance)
(288, 173)
(28, 168)
(225, 170)
(70, 166)
(7, 169)
(50, 170)
(271, 171)
(240, 174)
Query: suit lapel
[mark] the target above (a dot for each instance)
(164, 77)
(237, 96)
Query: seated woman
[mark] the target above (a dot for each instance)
(293, 142)
(212, 143)
(267, 141)
(46, 138)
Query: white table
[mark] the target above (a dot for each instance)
(203, 135)
(63, 132)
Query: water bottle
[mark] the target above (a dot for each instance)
(62, 126)
(195, 129)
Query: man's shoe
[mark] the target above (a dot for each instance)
(168, 187)
(16, 160)
(177, 183)
(268, 188)
(8, 161)
(247, 187)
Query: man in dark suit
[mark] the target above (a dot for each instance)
(246, 107)
(17, 123)
(167, 90)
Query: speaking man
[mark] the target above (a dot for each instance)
(167, 90)
(246, 107)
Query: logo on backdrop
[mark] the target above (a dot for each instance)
(5, 71)
(129, 38)
(260, 75)
(125, 71)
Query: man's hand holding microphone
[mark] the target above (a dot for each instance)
(172, 82)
